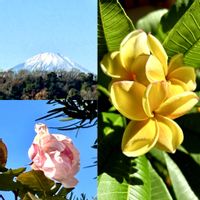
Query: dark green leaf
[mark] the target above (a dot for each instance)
(7, 182)
(36, 180)
(30, 196)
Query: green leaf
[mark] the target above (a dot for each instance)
(7, 183)
(172, 16)
(113, 26)
(150, 22)
(158, 187)
(185, 36)
(15, 172)
(180, 185)
(36, 180)
(123, 184)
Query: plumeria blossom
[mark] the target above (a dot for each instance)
(55, 155)
(142, 58)
(151, 112)
(150, 92)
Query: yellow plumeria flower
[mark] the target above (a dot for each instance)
(151, 112)
(142, 58)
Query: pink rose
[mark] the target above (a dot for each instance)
(55, 155)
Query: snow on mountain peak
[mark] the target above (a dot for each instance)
(48, 62)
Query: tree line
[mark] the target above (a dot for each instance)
(47, 85)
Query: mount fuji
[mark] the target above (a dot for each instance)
(48, 62)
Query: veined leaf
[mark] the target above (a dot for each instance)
(150, 22)
(158, 187)
(113, 25)
(123, 185)
(180, 185)
(184, 37)
(172, 16)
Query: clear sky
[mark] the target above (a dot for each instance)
(17, 131)
(30, 27)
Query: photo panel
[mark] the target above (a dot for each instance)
(48, 100)
(149, 114)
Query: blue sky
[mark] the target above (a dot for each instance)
(17, 131)
(29, 27)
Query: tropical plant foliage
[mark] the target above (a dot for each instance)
(156, 175)
(47, 85)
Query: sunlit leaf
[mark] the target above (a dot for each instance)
(113, 26)
(180, 185)
(158, 187)
(184, 37)
(122, 184)
(170, 18)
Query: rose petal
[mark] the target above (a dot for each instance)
(49, 143)
(133, 45)
(139, 137)
(178, 105)
(69, 182)
(154, 95)
(157, 50)
(127, 96)
(112, 66)
(154, 70)
(170, 134)
(186, 75)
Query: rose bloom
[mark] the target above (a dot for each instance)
(55, 155)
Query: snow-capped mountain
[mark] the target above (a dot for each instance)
(48, 62)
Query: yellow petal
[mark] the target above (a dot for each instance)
(176, 87)
(175, 62)
(127, 96)
(133, 45)
(154, 70)
(154, 95)
(178, 105)
(139, 137)
(170, 134)
(157, 50)
(112, 66)
(186, 75)
(138, 68)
